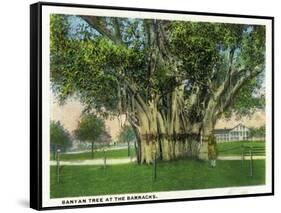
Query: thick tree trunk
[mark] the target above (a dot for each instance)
(169, 134)
(149, 148)
(192, 144)
(166, 149)
(165, 134)
(207, 148)
(148, 135)
(185, 147)
(203, 152)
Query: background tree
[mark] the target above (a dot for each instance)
(257, 132)
(60, 138)
(89, 129)
(127, 135)
(105, 139)
(171, 79)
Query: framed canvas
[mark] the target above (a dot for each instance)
(133, 105)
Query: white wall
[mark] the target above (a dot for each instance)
(14, 108)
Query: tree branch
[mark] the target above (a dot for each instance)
(138, 98)
(117, 30)
(99, 24)
(232, 91)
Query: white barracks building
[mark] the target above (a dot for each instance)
(238, 129)
(237, 133)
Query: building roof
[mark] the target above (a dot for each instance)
(221, 131)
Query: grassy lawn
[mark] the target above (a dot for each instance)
(132, 178)
(235, 148)
(119, 153)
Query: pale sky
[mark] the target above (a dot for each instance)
(69, 114)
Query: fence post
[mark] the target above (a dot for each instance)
(251, 163)
(131, 156)
(58, 165)
(154, 166)
(104, 159)
(242, 163)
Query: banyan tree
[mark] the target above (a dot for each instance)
(171, 79)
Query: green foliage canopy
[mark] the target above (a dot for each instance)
(127, 134)
(59, 135)
(90, 128)
(258, 132)
(99, 62)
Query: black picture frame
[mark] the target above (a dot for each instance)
(36, 103)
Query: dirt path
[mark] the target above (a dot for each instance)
(98, 150)
(111, 161)
(115, 161)
(239, 158)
